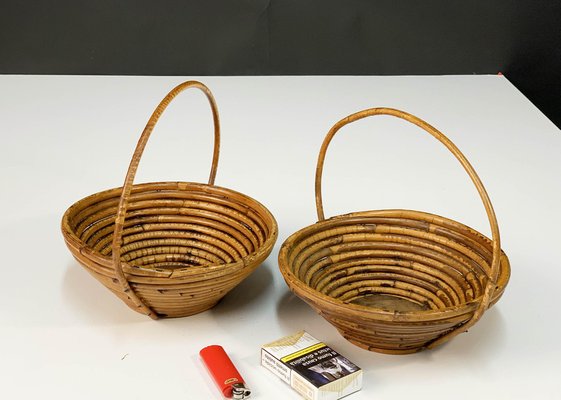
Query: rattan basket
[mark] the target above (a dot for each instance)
(396, 281)
(170, 249)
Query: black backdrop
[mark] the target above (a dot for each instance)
(521, 39)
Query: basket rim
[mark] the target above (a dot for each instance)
(308, 293)
(71, 236)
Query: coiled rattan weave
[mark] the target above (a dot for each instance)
(170, 249)
(396, 281)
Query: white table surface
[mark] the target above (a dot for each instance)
(65, 336)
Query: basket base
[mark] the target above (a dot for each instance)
(389, 303)
(383, 351)
(188, 313)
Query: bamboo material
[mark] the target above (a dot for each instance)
(396, 281)
(170, 249)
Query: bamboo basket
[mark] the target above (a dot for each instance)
(396, 281)
(170, 249)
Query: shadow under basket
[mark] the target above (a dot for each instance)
(396, 281)
(170, 249)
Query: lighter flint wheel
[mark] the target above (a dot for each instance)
(396, 281)
(170, 249)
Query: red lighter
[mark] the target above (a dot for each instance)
(224, 373)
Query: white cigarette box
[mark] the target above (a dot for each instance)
(312, 368)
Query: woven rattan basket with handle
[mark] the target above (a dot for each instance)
(396, 281)
(170, 249)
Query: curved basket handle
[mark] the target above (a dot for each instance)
(491, 285)
(133, 166)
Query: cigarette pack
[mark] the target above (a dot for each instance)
(310, 367)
